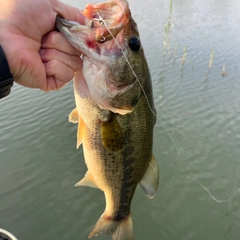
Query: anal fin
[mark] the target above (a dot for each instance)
(150, 180)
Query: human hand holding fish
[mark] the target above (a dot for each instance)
(38, 56)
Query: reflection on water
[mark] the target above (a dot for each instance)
(199, 106)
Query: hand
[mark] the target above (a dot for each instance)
(38, 56)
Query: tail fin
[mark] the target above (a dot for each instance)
(120, 230)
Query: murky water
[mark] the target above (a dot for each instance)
(197, 104)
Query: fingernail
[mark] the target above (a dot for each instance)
(41, 51)
(44, 39)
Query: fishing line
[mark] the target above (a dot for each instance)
(129, 64)
(165, 128)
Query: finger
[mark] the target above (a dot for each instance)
(73, 62)
(68, 12)
(57, 41)
(58, 74)
(54, 84)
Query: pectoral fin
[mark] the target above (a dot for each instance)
(123, 111)
(87, 181)
(150, 180)
(111, 134)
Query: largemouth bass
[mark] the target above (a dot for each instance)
(114, 111)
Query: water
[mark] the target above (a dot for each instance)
(39, 164)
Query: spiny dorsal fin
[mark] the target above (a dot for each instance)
(87, 181)
(150, 180)
(73, 116)
(111, 134)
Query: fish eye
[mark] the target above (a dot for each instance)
(134, 44)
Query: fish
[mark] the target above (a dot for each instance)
(114, 111)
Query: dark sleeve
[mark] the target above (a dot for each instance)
(6, 78)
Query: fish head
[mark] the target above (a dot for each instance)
(114, 65)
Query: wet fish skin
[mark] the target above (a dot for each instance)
(117, 171)
(117, 136)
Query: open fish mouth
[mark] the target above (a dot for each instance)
(93, 41)
(102, 34)
(107, 18)
(103, 42)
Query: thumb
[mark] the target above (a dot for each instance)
(68, 12)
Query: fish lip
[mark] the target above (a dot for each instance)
(61, 21)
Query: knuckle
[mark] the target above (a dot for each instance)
(53, 38)
(51, 67)
(59, 70)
